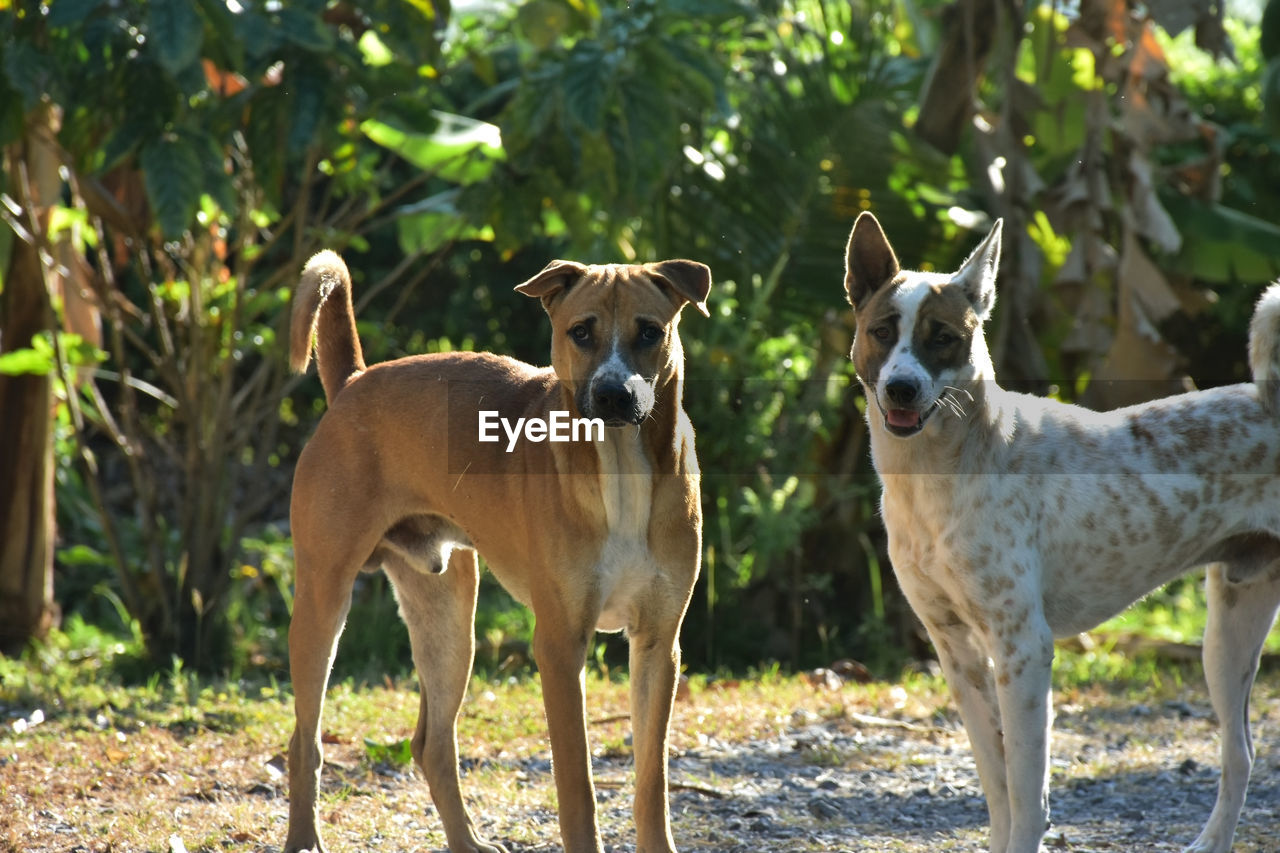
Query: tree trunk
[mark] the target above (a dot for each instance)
(27, 609)
(949, 96)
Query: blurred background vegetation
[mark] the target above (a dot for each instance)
(170, 164)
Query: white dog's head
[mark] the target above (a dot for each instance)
(919, 335)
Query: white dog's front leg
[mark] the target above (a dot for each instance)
(1023, 670)
(967, 667)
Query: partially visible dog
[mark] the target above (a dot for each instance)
(1015, 519)
(598, 533)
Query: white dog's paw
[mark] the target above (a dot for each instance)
(1210, 843)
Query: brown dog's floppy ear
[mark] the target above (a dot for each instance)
(690, 280)
(869, 260)
(555, 277)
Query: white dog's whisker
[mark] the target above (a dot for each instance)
(947, 398)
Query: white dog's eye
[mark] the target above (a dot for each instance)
(943, 339)
(881, 333)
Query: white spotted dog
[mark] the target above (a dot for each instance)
(1015, 519)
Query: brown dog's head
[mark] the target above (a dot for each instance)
(614, 330)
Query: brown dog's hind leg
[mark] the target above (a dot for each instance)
(440, 612)
(319, 612)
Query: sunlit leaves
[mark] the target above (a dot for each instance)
(459, 149)
(427, 225)
(543, 21)
(26, 361)
(40, 358)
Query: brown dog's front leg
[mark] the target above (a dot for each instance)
(561, 655)
(655, 666)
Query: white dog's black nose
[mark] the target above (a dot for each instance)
(901, 392)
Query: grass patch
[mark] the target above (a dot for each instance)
(89, 756)
(86, 760)
(1152, 646)
(1175, 613)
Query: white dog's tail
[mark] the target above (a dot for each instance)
(1264, 348)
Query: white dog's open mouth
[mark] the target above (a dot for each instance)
(902, 418)
(906, 422)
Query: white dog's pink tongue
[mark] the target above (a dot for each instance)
(903, 418)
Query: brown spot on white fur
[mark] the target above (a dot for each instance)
(943, 329)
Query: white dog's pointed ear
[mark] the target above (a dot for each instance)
(869, 261)
(554, 278)
(977, 275)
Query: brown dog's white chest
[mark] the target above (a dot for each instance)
(625, 566)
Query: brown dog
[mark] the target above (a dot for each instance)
(409, 470)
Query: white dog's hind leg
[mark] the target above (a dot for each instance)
(1240, 615)
(1023, 670)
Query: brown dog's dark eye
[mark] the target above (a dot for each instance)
(581, 333)
(650, 334)
(881, 333)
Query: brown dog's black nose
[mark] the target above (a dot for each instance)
(613, 401)
(901, 392)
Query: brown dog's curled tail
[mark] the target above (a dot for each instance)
(328, 318)
(1264, 348)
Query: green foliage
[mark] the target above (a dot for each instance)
(213, 122)
(172, 173)
(1119, 671)
(764, 407)
(459, 149)
(596, 104)
(1234, 239)
(260, 601)
(398, 753)
(1269, 49)
(1223, 244)
(81, 664)
(27, 361)
(175, 33)
(41, 357)
(453, 152)
(1176, 613)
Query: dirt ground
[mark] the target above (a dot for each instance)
(815, 770)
